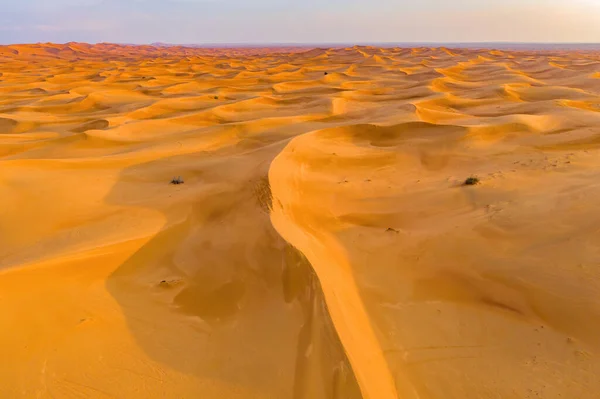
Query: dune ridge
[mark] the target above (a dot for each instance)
(322, 244)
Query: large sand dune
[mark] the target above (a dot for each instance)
(322, 246)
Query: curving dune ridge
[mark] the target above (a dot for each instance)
(322, 245)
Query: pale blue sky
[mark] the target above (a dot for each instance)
(299, 21)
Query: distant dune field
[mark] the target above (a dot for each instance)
(323, 244)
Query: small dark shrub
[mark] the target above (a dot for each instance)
(177, 180)
(471, 181)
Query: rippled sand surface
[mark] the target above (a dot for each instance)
(322, 244)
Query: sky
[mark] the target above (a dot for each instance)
(299, 21)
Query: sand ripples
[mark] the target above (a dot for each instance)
(322, 245)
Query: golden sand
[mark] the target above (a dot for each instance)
(322, 246)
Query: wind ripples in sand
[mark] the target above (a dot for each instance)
(320, 244)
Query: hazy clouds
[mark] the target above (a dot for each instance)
(306, 21)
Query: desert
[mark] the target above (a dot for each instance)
(321, 242)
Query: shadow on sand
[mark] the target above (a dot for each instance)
(217, 294)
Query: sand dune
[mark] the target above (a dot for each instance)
(322, 245)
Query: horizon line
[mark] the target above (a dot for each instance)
(501, 46)
(309, 43)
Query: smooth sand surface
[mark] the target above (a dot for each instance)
(322, 246)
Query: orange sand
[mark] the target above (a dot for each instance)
(322, 246)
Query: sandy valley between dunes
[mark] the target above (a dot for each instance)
(322, 245)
